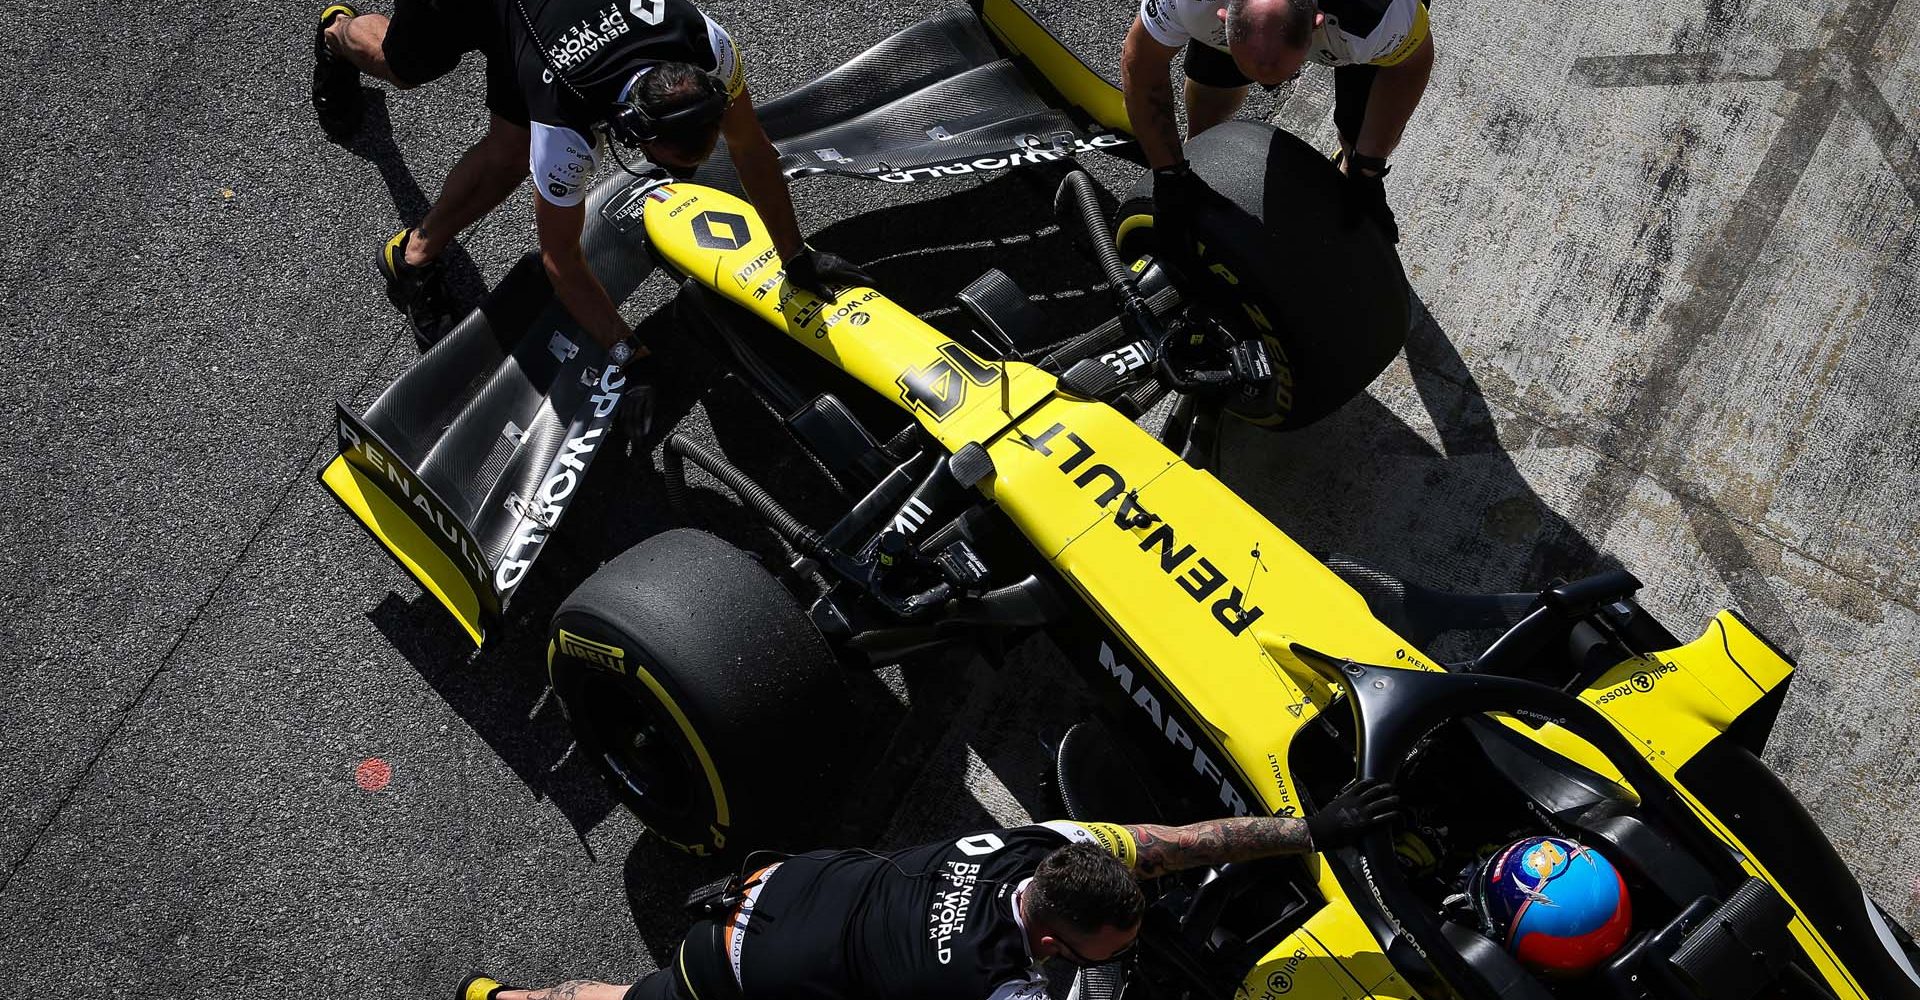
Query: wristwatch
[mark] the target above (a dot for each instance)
(620, 353)
(1371, 166)
(1182, 169)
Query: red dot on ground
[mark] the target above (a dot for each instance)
(372, 774)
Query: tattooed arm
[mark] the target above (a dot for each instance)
(1146, 81)
(1162, 849)
(1365, 804)
(577, 989)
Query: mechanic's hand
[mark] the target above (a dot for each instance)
(634, 415)
(1366, 804)
(818, 271)
(1178, 193)
(1368, 193)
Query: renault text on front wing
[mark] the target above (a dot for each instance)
(368, 454)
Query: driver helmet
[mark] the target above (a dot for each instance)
(1556, 905)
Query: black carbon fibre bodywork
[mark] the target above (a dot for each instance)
(1758, 807)
(938, 99)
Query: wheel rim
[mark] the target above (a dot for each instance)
(640, 750)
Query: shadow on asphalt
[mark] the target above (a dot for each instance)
(1515, 540)
(374, 144)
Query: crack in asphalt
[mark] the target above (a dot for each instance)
(1689, 495)
(273, 510)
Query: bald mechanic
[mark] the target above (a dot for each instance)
(966, 919)
(656, 76)
(1381, 52)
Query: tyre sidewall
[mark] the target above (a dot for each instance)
(704, 638)
(1284, 259)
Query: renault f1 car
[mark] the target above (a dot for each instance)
(997, 484)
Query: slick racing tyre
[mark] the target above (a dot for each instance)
(1287, 256)
(702, 693)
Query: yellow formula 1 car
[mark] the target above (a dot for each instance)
(998, 484)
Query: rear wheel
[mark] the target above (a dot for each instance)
(1294, 264)
(702, 693)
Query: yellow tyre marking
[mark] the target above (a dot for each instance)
(1128, 225)
(721, 810)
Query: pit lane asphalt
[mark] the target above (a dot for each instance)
(1671, 323)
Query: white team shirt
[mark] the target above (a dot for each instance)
(1397, 34)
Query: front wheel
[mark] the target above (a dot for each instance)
(1289, 259)
(702, 693)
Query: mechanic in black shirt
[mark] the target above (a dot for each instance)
(656, 74)
(966, 919)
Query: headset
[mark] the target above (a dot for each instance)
(632, 126)
(629, 124)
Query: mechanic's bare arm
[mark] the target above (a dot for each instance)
(574, 283)
(1146, 78)
(1397, 90)
(1162, 849)
(758, 164)
(577, 989)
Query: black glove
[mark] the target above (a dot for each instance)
(1368, 193)
(634, 415)
(1177, 194)
(1362, 806)
(818, 271)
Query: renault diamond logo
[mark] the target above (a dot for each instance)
(720, 231)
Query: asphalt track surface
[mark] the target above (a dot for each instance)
(1667, 257)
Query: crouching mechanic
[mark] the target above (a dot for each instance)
(1381, 52)
(966, 919)
(657, 76)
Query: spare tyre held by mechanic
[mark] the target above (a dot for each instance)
(657, 76)
(1381, 51)
(965, 919)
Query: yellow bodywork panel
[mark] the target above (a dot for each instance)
(1300, 968)
(1204, 589)
(1338, 929)
(1702, 686)
(388, 522)
(718, 240)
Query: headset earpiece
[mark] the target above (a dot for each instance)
(631, 125)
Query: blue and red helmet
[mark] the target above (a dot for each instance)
(1556, 905)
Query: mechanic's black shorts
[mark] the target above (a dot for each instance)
(697, 970)
(1212, 67)
(427, 38)
(1352, 85)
